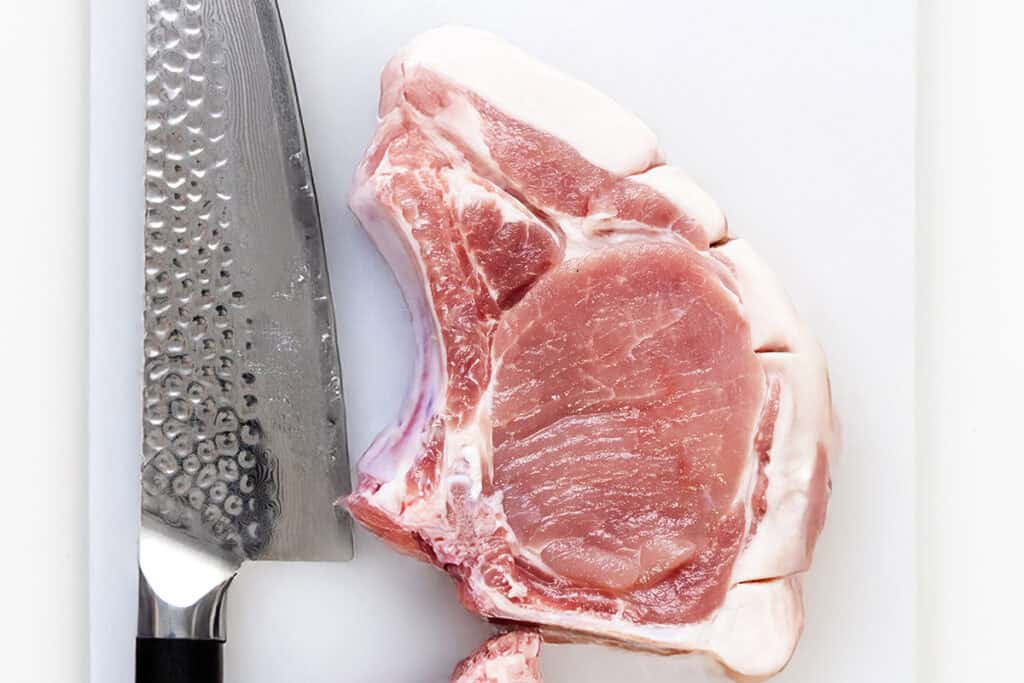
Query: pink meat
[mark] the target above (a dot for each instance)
(666, 390)
(618, 429)
(508, 658)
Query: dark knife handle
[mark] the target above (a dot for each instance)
(177, 660)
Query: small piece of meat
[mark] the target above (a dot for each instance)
(508, 658)
(618, 429)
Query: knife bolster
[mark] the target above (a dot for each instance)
(201, 620)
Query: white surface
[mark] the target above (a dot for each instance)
(970, 326)
(115, 334)
(797, 117)
(42, 350)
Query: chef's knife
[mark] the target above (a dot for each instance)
(244, 445)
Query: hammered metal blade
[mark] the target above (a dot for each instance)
(244, 441)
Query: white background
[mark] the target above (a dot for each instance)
(968, 322)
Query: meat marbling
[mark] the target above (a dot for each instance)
(508, 658)
(618, 429)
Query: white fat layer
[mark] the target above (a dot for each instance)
(600, 129)
(774, 323)
(578, 241)
(804, 420)
(461, 120)
(744, 496)
(508, 669)
(586, 235)
(753, 633)
(780, 545)
(504, 665)
(465, 451)
(502, 670)
(395, 450)
(466, 189)
(678, 187)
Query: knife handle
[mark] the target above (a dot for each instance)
(178, 660)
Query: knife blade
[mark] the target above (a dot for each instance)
(244, 449)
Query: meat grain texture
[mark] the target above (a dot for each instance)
(618, 429)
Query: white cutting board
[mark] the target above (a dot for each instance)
(797, 115)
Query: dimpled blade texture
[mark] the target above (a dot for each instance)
(244, 446)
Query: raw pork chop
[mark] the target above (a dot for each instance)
(509, 658)
(618, 429)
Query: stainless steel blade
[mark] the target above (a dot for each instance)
(244, 440)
